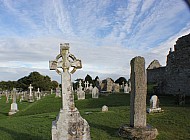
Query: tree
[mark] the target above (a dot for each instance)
(88, 78)
(54, 84)
(120, 80)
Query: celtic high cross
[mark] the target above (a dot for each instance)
(62, 64)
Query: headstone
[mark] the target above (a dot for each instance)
(154, 105)
(69, 125)
(123, 84)
(126, 88)
(38, 94)
(51, 91)
(58, 92)
(104, 108)
(138, 129)
(22, 96)
(87, 85)
(95, 92)
(116, 87)
(30, 100)
(14, 107)
(7, 96)
(109, 85)
(90, 88)
(80, 92)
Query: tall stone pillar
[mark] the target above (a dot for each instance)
(138, 129)
(138, 93)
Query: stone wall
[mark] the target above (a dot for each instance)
(175, 77)
(155, 75)
(178, 68)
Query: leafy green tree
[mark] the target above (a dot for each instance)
(54, 84)
(120, 80)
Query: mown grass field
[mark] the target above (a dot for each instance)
(33, 121)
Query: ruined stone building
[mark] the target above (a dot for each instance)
(174, 78)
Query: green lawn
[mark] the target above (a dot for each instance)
(34, 120)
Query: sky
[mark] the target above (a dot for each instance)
(104, 34)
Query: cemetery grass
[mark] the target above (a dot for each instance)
(33, 121)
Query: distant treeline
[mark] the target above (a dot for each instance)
(35, 78)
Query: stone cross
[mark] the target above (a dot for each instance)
(30, 88)
(69, 125)
(138, 93)
(62, 67)
(85, 84)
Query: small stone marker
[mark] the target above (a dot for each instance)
(80, 92)
(126, 88)
(38, 94)
(154, 105)
(90, 88)
(14, 107)
(116, 87)
(95, 92)
(104, 108)
(7, 96)
(138, 129)
(58, 91)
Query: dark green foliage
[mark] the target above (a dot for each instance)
(35, 78)
(88, 78)
(120, 80)
(9, 85)
(54, 84)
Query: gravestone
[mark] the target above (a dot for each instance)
(116, 87)
(22, 96)
(104, 108)
(38, 96)
(58, 92)
(126, 88)
(154, 105)
(69, 125)
(30, 100)
(95, 92)
(90, 88)
(138, 129)
(7, 96)
(14, 107)
(80, 92)
(87, 85)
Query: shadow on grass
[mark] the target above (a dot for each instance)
(4, 114)
(112, 132)
(20, 136)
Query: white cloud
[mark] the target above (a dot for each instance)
(105, 35)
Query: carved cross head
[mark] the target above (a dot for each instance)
(64, 61)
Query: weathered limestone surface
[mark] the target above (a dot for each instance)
(138, 93)
(69, 125)
(138, 129)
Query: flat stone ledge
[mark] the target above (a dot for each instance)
(146, 133)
